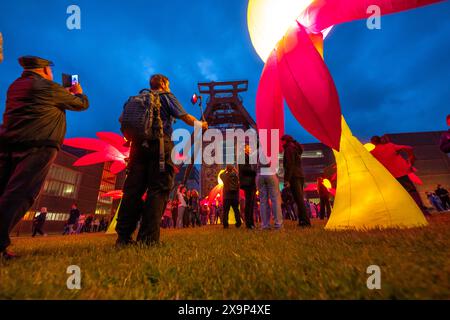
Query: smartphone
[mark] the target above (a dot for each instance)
(69, 80)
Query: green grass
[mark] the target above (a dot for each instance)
(211, 263)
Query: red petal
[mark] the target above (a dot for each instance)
(309, 88)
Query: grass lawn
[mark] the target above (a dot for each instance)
(211, 263)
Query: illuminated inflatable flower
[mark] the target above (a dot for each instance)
(288, 35)
(109, 147)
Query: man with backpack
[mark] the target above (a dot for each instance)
(147, 122)
(294, 177)
(230, 180)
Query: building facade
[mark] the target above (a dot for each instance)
(66, 185)
(433, 166)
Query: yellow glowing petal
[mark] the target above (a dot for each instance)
(218, 178)
(327, 183)
(368, 196)
(369, 146)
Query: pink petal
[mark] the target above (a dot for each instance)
(322, 14)
(269, 100)
(114, 139)
(118, 166)
(86, 144)
(92, 158)
(309, 88)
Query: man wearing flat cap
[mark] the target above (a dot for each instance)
(33, 130)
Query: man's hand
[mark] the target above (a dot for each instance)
(76, 89)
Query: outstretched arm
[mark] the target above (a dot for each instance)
(190, 120)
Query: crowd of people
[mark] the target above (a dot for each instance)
(76, 224)
(34, 127)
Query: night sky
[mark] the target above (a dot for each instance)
(391, 80)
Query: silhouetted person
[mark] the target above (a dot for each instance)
(231, 189)
(145, 175)
(194, 204)
(442, 193)
(182, 207)
(324, 195)
(39, 221)
(74, 216)
(247, 180)
(294, 177)
(33, 129)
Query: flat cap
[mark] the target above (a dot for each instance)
(31, 62)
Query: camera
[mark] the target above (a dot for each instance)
(69, 80)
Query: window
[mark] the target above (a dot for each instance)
(62, 182)
(313, 154)
(51, 216)
(108, 183)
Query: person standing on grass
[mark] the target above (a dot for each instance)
(74, 216)
(204, 214)
(39, 221)
(269, 196)
(231, 189)
(80, 225)
(174, 213)
(324, 195)
(389, 155)
(294, 176)
(151, 171)
(167, 217)
(33, 130)
(195, 208)
(442, 193)
(182, 205)
(247, 176)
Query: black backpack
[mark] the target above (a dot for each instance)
(141, 118)
(141, 121)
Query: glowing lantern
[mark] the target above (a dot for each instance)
(109, 147)
(287, 34)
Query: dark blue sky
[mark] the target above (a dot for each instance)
(391, 80)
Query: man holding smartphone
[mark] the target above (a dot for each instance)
(33, 130)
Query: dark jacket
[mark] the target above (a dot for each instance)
(323, 191)
(35, 113)
(230, 185)
(73, 216)
(292, 161)
(247, 174)
(40, 219)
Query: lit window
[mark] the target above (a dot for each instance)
(62, 182)
(313, 154)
